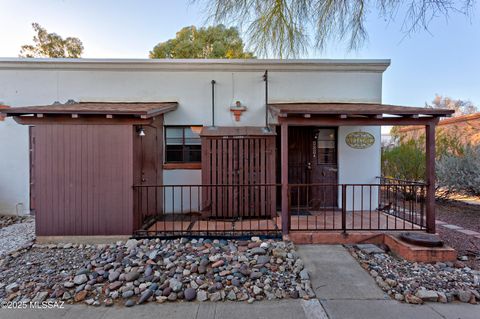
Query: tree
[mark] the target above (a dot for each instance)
(215, 42)
(281, 27)
(51, 45)
(461, 107)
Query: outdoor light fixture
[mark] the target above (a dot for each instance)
(141, 131)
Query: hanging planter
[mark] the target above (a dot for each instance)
(237, 110)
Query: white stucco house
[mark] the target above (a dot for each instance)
(114, 147)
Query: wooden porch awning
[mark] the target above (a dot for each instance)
(346, 110)
(134, 109)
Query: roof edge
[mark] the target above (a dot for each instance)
(372, 65)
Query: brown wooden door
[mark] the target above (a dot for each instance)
(312, 160)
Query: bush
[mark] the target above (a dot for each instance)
(460, 173)
(405, 161)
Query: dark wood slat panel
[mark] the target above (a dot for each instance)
(235, 161)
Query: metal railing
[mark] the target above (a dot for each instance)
(253, 209)
(357, 207)
(206, 210)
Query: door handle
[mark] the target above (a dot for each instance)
(309, 166)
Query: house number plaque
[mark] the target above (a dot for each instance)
(359, 140)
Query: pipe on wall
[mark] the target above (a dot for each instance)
(265, 78)
(213, 103)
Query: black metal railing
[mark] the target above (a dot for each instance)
(254, 209)
(357, 207)
(206, 210)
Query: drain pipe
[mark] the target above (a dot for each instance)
(213, 103)
(265, 78)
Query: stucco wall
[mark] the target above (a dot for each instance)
(14, 168)
(359, 166)
(37, 84)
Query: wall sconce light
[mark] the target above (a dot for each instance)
(237, 110)
(141, 131)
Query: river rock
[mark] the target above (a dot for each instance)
(80, 279)
(190, 294)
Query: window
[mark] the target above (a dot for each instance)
(326, 146)
(182, 144)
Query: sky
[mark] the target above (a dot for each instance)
(444, 60)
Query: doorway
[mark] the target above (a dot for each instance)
(312, 162)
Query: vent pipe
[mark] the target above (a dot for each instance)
(213, 103)
(265, 78)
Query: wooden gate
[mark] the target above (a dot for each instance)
(240, 162)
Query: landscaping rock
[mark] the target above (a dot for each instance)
(464, 295)
(80, 279)
(190, 294)
(137, 271)
(130, 303)
(80, 296)
(131, 276)
(427, 295)
(145, 296)
(175, 285)
(370, 249)
(202, 295)
(258, 251)
(416, 282)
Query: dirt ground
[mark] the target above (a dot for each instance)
(466, 216)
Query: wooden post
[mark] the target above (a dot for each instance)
(284, 163)
(430, 176)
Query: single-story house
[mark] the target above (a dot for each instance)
(466, 128)
(98, 147)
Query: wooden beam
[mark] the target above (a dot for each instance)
(284, 178)
(332, 121)
(430, 176)
(30, 120)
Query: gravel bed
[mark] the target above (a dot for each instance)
(416, 283)
(460, 214)
(468, 247)
(135, 272)
(16, 236)
(7, 220)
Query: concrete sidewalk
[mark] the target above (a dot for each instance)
(293, 309)
(344, 290)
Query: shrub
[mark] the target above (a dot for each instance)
(460, 173)
(404, 161)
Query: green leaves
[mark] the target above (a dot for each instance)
(216, 42)
(51, 45)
